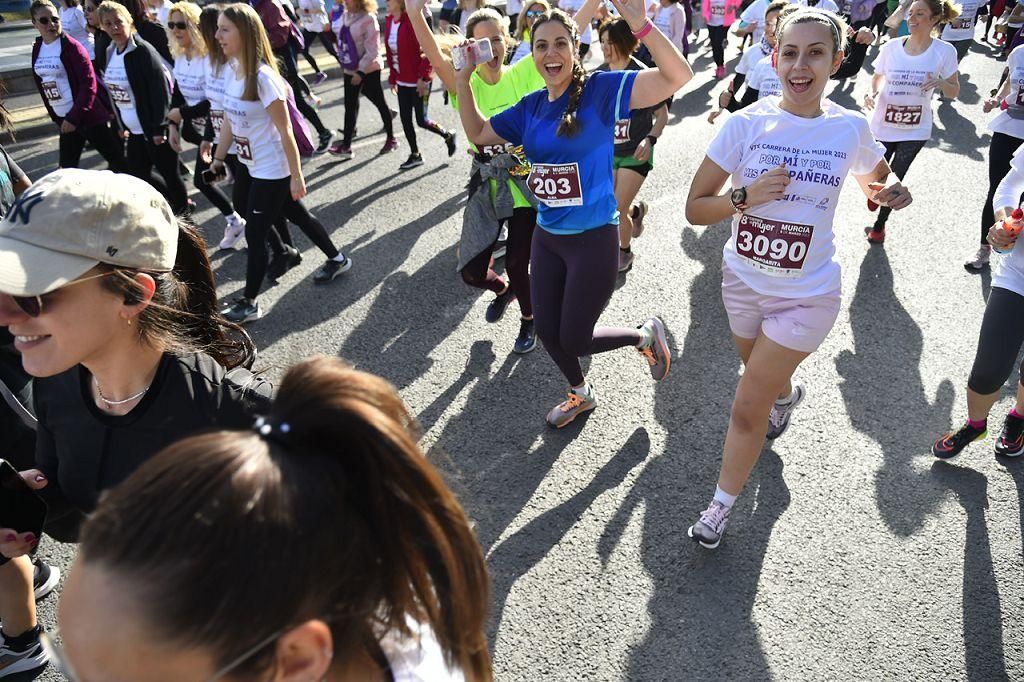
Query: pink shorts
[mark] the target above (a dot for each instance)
(797, 323)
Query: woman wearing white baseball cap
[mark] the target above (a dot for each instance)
(115, 313)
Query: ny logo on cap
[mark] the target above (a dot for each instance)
(22, 208)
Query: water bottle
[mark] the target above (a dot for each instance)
(1013, 224)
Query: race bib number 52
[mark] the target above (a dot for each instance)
(898, 116)
(556, 185)
(244, 148)
(775, 247)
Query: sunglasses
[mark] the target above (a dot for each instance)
(534, 13)
(33, 305)
(46, 21)
(180, 25)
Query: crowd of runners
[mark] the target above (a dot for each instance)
(117, 359)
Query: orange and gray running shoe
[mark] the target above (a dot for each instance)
(573, 406)
(656, 352)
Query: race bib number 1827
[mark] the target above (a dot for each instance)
(556, 185)
(899, 116)
(776, 248)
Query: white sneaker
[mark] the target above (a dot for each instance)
(980, 259)
(234, 233)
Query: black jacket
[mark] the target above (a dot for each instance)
(148, 75)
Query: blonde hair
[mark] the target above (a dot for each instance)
(945, 10)
(190, 11)
(108, 7)
(797, 14)
(256, 49)
(369, 6)
(521, 27)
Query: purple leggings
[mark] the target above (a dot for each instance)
(572, 277)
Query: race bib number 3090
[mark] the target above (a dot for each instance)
(556, 185)
(776, 248)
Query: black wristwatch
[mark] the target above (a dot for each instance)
(653, 140)
(738, 197)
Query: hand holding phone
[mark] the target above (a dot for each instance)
(215, 174)
(472, 53)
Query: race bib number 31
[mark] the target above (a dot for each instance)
(556, 185)
(774, 247)
(898, 116)
(622, 131)
(244, 148)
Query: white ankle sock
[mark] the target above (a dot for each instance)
(724, 497)
(584, 391)
(340, 258)
(646, 335)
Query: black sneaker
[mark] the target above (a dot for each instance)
(496, 308)
(325, 142)
(449, 140)
(331, 269)
(950, 445)
(243, 310)
(527, 339)
(23, 659)
(1011, 440)
(44, 578)
(281, 263)
(413, 161)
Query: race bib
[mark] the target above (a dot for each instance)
(1020, 96)
(51, 91)
(622, 131)
(774, 247)
(120, 96)
(556, 185)
(718, 10)
(244, 148)
(216, 120)
(496, 149)
(962, 24)
(902, 116)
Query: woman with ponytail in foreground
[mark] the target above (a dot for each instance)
(358, 561)
(567, 132)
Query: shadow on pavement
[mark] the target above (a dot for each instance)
(959, 133)
(881, 376)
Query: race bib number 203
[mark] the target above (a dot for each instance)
(556, 185)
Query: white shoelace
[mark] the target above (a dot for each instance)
(715, 516)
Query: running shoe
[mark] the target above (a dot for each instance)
(390, 145)
(341, 151)
(527, 339)
(625, 260)
(573, 406)
(281, 263)
(720, 72)
(331, 269)
(981, 258)
(778, 418)
(315, 100)
(23, 659)
(950, 445)
(413, 161)
(325, 142)
(876, 236)
(657, 353)
(319, 78)
(496, 308)
(1011, 440)
(243, 310)
(234, 233)
(44, 578)
(449, 141)
(638, 221)
(709, 529)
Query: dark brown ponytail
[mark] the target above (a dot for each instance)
(332, 512)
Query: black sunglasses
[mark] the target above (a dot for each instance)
(33, 305)
(46, 21)
(181, 25)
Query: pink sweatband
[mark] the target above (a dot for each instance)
(642, 33)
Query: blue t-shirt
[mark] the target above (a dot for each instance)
(572, 176)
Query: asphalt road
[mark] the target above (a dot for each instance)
(851, 555)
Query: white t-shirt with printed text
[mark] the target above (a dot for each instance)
(962, 28)
(1011, 121)
(51, 71)
(257, 140)
(764, 78)
(121, 93)
(786, 248)
(214, 84)
(1009, 270)
(190, 74)
(903, 110)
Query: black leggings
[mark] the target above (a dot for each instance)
(718, 35)
(573, 277)
(1002, 333)
(899, 155)
(103, 138)
(370, 88)
(211, 192)
(1000, 151)
(280, 236)
(478, 272)
(290, 70)
(409, 103)
(268, 200)
(142, 156)
(325, 39)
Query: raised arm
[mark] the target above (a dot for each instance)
(428, 42)
(653, 85)
(586, 14)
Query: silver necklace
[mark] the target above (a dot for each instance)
(114, 403)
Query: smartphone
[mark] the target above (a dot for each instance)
(475, 53)
(211, 177)
(21, 508)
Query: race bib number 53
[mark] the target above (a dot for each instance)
(775, 247)
(898, 116)
(556, 185)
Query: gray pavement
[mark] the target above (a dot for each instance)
(851, 555)
(15, 47)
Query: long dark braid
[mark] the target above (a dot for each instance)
(570, 125)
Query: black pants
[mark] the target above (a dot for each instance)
(1002, 333)
(1000, 151)
(143, 156)
(718, 35)
(962, 47)
(899, 155)
(325, 40)
(409, 103)
(370, 88)
(103, 138)
(290, 70)
(215, 195)
(268, 200)
(478, 272)
(280, 236)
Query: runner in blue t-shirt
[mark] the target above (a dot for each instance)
(567, 131)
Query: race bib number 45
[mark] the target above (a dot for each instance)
(777, 248)
(244, 148)
(899, 116)
(556, 185)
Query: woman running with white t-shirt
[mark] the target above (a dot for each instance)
(780, 276)
(256, 119)
(907, 72)
(960, 31)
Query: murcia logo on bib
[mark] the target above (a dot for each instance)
(556, 185)
(775, 247)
